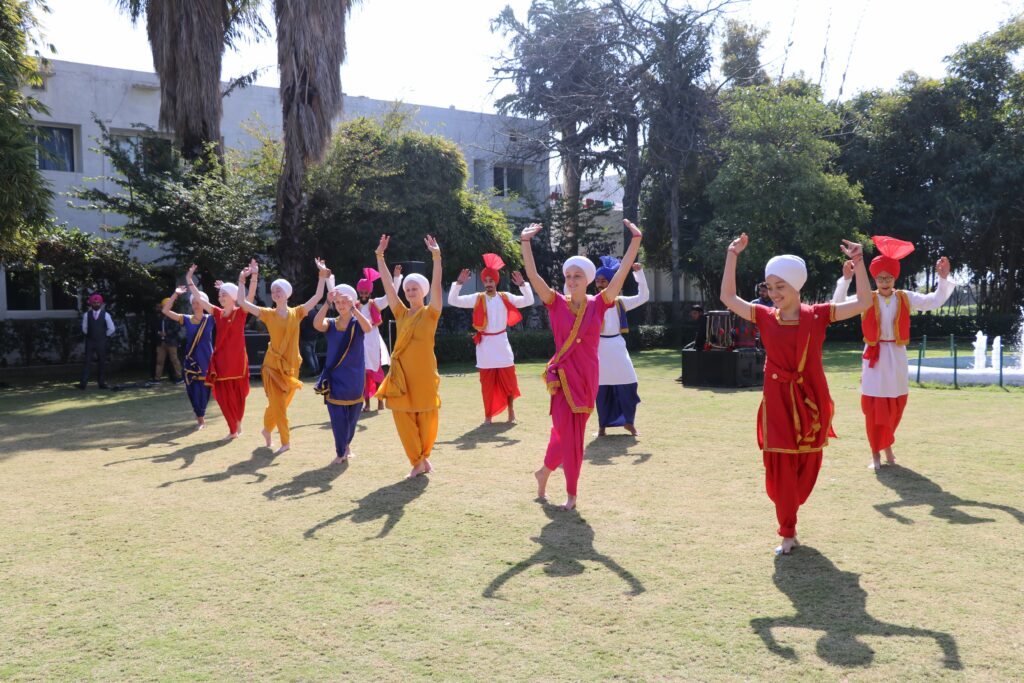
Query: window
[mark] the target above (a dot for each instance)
(22, 290)
(157, 153)
(58, 148)
(509, 180)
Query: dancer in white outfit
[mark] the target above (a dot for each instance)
(617, 396)
(884, 383)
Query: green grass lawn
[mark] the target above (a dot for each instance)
(134, 548)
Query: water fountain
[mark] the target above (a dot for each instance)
(1008, 368)
(980, 342)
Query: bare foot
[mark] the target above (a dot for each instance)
(511, 417)
(876, 462)
(600, 432)
(487, 420)
(200, 423)
(542, 481)
(787, 546)
(340, 459)
(366, 406)
(427, 467)
(380, 405)
(632, 430)
(570, 503)
(266, 436)
(284, 447)
(415, 471)
(890, 459)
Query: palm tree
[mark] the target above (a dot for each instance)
(310, 50)
(188, 38)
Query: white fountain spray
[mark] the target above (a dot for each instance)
(980, 344)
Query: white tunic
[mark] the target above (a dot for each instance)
(616, 366)
(889, 377)
(493, 351)
(374, 348)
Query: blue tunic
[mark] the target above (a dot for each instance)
(341, 382)
(198, 351)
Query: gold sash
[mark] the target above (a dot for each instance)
(394, 385)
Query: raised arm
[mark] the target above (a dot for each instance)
(385, 277)
(615, 286)
(848, 309)
(728, 291)
(166, 310)
(321, 283)
(382, 301)
(194, 291)
(436, 286)
(320, 320)
(841, 295)
(254, 274)
(932, 300)
(246, 305)
(545, 293)
(364, 322)
(643, 294)
(461, 300)
(524, 300)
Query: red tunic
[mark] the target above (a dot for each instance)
(796, 411)
(230, 360)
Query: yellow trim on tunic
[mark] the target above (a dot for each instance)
(563, 381)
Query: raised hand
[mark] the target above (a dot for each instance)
(463, 276)
(943, 267)
(180, 291)
(324, 271)
(517, 278)
(218, 284)
(848, 267)
(633, 229)
(254, 268)
(331, 296)
(853, 251)
(384, 241)
(739, 244)
(637, 267)
(396, 272)
(190, 273)
(528, 232)
(431, 243)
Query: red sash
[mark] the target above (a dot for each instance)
(871, 325)
(480, 316)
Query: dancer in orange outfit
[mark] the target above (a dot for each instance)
(573, 373)
(228, 372)
(410, 389)
(493, 313)
(282, 361)
(795, 417)
(884, 385)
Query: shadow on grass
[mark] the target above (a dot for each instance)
(314, 481)
(566, 542)
(187, 455)
(484, 435)
(387, 503)
(261, 458)
(830, 600)
(916, 490)
(603, 449)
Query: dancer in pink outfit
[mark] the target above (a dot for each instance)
(572, 373)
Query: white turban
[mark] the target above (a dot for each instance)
(583, 263)
(790, 268)
(283, 284)
(345, 290)
(203, 297)
(229, 289)
(419, 280)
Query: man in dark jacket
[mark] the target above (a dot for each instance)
(98, 327)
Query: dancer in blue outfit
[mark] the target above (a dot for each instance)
(198, 350)
(341, 382)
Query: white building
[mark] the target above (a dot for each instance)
(75, 93)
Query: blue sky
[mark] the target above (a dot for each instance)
(440, 53)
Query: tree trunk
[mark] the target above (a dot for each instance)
(631, 186)
(673, 221)
(571, 180)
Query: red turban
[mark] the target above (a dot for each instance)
(493, 264)
(369, 277)
(890, 251)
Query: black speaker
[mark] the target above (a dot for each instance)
(744, 368)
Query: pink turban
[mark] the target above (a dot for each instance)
(369, 277)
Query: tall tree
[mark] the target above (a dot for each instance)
(310, 51)
(741, 53)
(562, 66)
(25, 200)
(188, 39)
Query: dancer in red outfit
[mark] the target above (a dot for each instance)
(572, 374)
(794, 420)
(228, 374)
(884, 384)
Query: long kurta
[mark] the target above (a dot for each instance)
(342, 378)
(410, 390)
(281, 366)
(196, 363)
(572, 378)
(494, 358)
(794, 421)
(228, 372)
(885, 386)
(617, 398)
